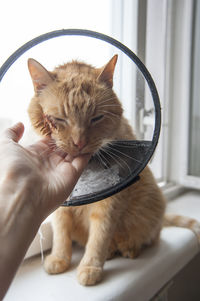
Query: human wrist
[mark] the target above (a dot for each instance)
(18, 227)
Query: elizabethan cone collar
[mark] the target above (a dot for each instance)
(98, 180)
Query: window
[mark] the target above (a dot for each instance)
(182, 90)
(194, 119)
(169, 47)
(192, 165)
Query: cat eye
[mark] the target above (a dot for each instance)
(97, 118)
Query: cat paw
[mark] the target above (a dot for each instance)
(89, 275)
(55, 265)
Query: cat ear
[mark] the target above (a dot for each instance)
(106, 74)
(40, 76)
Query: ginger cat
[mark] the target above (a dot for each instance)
(77, 106)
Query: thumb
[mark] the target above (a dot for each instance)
(15, 132)
(80, 163)
(67, 174)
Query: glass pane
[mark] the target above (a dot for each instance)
(194, 131)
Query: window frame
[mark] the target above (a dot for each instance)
(156, 59)
(188, 179)
(179, 89)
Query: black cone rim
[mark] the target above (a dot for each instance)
(85, 199)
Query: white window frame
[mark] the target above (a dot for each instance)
(179, 85)
(124, 29)
(186, 179)
(156, 60)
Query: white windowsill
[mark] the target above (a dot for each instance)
(124, 279)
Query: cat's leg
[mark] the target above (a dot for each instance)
(59, 259)
(100, 234)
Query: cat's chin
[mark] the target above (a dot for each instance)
(70, 157)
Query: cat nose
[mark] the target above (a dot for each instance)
(80, 144)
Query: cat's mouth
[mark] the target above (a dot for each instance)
(69, 157)
(65, 154)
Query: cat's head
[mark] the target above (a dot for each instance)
(76, 105)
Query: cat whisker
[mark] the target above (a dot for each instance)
(106, 91)
(104, 160)
(99, 157)
(116, 158)
(111, 105)
(121, 144)
(106, 100)
(121, 153)
(112, 157)
(110, 152)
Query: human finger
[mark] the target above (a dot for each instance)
(80, 162)
(15, 132)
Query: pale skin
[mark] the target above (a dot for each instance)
(34, 181)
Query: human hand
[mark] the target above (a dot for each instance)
(43, 176)
(34, 181)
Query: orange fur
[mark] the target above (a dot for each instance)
(183, 222)
(76, 105)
